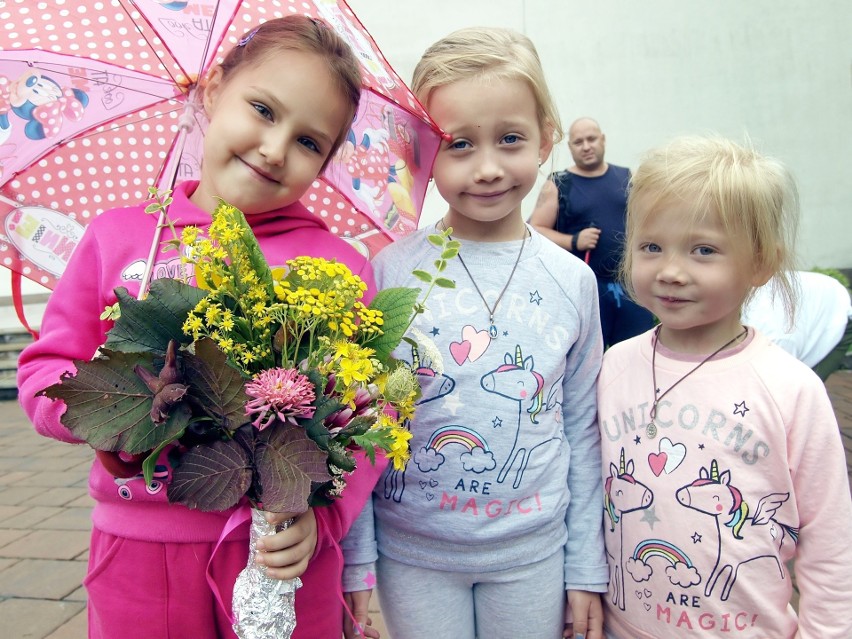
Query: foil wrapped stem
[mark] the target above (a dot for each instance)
(263, 607)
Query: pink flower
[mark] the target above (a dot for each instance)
(279, 392)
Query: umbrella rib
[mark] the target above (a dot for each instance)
(153, 80)
(147, 42)
(112, 127)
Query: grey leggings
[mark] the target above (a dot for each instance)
(523, 602)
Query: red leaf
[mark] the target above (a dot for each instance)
(287, 461)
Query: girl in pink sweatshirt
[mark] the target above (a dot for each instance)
(279, 106)
(722, 457)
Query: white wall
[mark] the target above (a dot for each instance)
(648, 70)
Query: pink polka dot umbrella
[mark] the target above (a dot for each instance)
(99, 102)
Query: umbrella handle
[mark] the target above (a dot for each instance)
(152, 255)
(167, 182)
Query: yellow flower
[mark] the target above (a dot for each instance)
(399, 452)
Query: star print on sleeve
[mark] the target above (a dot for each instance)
(435, 331)
(637, 439)
(370, 580)
(741, 408)
(535, 298)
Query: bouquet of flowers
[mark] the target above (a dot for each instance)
(260, 383)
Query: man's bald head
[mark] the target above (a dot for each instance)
(587, 145)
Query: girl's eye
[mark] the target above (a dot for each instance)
(705, 251)
(511, 138)
(650, 247)
(459, 145)
(309, 144)
(262, 110)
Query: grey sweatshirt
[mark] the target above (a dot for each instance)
(505, 464)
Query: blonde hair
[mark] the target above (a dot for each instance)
(754, 196)
(307, 35)
(492, 54)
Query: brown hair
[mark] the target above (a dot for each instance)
(309, 35)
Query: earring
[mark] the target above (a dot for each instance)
(539, 163)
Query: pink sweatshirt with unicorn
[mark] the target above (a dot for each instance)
(743, 471)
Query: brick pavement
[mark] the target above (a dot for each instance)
(44, 524)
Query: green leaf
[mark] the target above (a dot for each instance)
(443, 282)
(286, 462)
(397, 306)
(423, 276)
(150, 463)
(314, 427)
(109, 406)
(341, 458)
(149, 324)
(213, 476)
(440, 265)
(216, 384)
(246, 246)
(436, 240)
(449, 253)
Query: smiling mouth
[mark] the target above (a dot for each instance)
(260, 172)
(489, 196)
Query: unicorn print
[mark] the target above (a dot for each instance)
(622, 494)
(515, 379)
(748, 538)
(433, 385)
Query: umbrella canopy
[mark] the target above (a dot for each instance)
(99, 101)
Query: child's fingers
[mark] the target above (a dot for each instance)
(358, 603)
(287, 563)
(286, 553)
(277, 519)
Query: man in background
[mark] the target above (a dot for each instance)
(583, 210)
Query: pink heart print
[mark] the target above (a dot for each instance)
(473, 345)
(460, 351)
(657, 462)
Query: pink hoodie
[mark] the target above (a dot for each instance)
(112, 254)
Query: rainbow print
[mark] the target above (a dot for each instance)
(455, 434)
(659, 548)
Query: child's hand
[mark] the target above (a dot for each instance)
(359, 603)
(585, 615)
(286, 553)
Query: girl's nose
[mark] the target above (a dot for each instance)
(273, 147)
(672, 271)
(489, 168)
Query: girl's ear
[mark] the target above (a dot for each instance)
(766, 269)
(213, 83)
(761, 276)
(546, 144)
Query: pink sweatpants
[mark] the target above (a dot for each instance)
(148, 590)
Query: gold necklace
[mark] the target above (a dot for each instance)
(492, 328)
(651, 428)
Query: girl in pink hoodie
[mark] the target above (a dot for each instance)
(279, 106)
